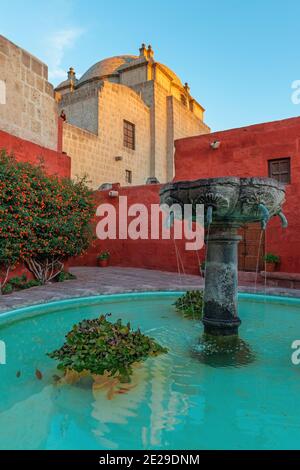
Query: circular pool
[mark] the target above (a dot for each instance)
(179, 402)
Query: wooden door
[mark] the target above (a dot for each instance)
(249, 247)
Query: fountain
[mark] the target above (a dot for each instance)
(229, 203)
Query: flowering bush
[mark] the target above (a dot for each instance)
(43, 219)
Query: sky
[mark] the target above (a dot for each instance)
(240, 57)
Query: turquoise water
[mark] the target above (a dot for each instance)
(179, 402)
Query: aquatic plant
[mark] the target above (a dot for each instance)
(190, 304)
(99, 347)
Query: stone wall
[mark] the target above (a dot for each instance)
(181, 123)
(185, 123)
(81, 108)
(30, 110)
(148, 94)
(134, 76)
(94, 155)
(160, 123)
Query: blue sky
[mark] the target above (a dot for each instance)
(239, 57)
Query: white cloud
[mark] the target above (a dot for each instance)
(57, 44)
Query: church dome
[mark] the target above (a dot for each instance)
(171, 74)
(106, 67)
(112, 66)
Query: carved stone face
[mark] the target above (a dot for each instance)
(234, 200)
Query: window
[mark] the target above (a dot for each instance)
(280, 169)
(129, 135)
(128, 176)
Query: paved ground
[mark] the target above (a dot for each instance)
(95, 281)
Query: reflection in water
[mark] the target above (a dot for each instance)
(229, 351)
(120, 408)
(33, 413)
(163, 407)
(167, 406)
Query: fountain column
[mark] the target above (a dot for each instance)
(221, 281)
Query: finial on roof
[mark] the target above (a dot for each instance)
(150, 52)
(186, 87)
(72, 78)
(71, 73)
(143, 51)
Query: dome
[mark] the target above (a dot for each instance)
(111, 66)
(106, 67)
(170, 73)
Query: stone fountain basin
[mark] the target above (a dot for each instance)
(234, 200)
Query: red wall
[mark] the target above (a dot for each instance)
(151, 254)
(25, 151)
(245, 152)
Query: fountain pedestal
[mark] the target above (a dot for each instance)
(221, 282)
(229, 203)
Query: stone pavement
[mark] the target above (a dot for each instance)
(111, 280)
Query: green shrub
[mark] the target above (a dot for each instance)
(65, 276)
(100, 347)
(19, 283)
(190, 304)
(7, 289)
(32, 283)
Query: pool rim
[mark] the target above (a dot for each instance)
(35, 310)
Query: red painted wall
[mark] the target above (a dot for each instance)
(151, 254)
(55, 162)
(245, 152)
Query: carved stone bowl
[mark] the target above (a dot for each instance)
(233, 200)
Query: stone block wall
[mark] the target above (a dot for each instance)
(94, 155)
(181, 123)
(160, 136)
(134, 76)
(29, 110)
(81, 108)
(185, 123)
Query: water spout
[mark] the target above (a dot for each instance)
(284, 222)
(169, 222)
(209, 215)
(265, 214)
